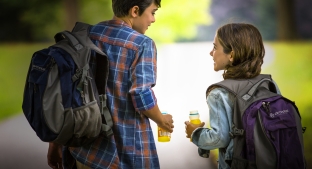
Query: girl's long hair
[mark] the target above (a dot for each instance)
(248, 50)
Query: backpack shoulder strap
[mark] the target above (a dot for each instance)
(101, 73)
(253, 84)
(78, 38)
(81, 26)
(80, 42)
(248, 86)
(81, 30)
(100, 59)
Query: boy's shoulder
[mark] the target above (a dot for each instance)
(119, 30)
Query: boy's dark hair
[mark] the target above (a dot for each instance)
(122, 7)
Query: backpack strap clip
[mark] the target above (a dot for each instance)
(77, 75)
(236, 132)
(107, 127)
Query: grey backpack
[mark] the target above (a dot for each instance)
(65, 92)
(267, 131)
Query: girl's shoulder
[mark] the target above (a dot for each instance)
(220, 94)
(218, 90)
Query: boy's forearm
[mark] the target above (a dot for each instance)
(154, 114)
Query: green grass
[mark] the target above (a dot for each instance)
(14, 63)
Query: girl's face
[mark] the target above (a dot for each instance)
(141, 23)
(221, 59)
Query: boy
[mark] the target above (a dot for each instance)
(131, 100)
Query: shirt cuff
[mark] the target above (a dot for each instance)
(144, 101)
(194, 136)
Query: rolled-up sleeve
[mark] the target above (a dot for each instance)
(143, 77)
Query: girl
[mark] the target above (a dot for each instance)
(238, 50)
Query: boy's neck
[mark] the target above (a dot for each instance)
(124, 19)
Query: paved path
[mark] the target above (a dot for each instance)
(20, 148)
(184, 72)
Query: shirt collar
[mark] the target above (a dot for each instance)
(116, 23)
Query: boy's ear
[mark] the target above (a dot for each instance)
(134, 11)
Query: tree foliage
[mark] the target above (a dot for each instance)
(177, 20)
(276, 19)
(95, 11)
(261, 13)
(27, 20)
(39, 20)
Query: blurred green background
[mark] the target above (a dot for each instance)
(286, 26)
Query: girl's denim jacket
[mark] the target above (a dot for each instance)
(220, 103)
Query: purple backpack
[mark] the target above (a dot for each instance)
(266, 131)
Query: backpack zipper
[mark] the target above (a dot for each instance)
(266, 106)
(51, 64)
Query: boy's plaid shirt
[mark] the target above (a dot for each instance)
(129, 90)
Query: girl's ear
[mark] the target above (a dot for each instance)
(134, 11)
(231, 58)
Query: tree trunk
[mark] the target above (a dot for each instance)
(71, 13)
(286, 23)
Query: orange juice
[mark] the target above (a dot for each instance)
(163, 135)
(194, 118)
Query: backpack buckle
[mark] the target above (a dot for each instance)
(236, 132)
